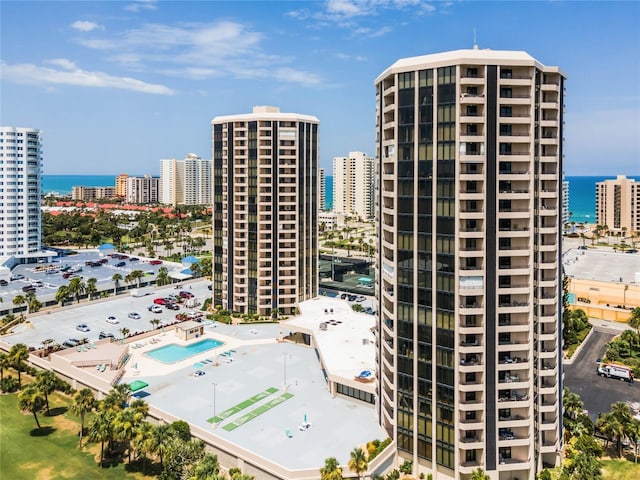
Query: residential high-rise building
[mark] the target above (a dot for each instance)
(83, 193)
(143, 190)
(565, 201)
(322, 198)
(354, 184)
(185, 182)
(469, 150)
(20, 184)
(618, 204)
(121, 185)
(265, 211)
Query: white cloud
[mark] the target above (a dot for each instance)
(198, 51)
(86, 26)
(347, 58)
(140, 5)
(27, 73)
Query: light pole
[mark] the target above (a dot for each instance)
(285, 371)
(214, 424)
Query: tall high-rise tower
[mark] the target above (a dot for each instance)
(469, 151)
(354, 185)
(20, 216)
(185, 182)
(265, 211)
(618, 204)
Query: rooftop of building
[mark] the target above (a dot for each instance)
(265, 113)
(466, 56)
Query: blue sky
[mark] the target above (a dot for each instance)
(116, 86)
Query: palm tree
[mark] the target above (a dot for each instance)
(633, 432)
(331, 470)
(83, 402)
(91, 287)
(161, 439)
(18, 354)
(155, 322)
(572, 403)
(76, 288)
(611, 427)
(136, 275)
(19, 300)
(46, 382)
(124, 331)
(100, 429)
(5, 362)
(125, 426)
(478, 474)
(116, 279)
(358, 461)
(142, 441)
(62, 295)
(33, 304)
(31, 400)
(163, 277)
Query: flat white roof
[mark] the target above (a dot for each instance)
(344, 353)
(265, 113)
(470, 56)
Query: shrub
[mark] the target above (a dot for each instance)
(9, 384)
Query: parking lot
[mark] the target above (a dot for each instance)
(597, 393)
(95, 314)
(26, 275)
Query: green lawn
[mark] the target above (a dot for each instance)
(620, 470)
(50, 453)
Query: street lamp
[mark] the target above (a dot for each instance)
(214, 424)
(285, 371)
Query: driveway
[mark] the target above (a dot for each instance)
(597, 393)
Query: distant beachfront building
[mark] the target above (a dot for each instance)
(143, 190)
(322, 188)
(20, 184)
(618, 204)
(121, 185)
(265, 211)
(88, 194)
(354, 185)
(565, 201)
(185, 182)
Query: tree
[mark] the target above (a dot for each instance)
(573, 404)
(478, 474)
(83, 402)
(18, 355)
(5, 362)
(46, 382)
(207, 468)
(33, 304)
(31, 400)
(634, 319)
(100, 429)
(125, 425)
(116, 279)
(124, 331)
(358, 461)
(91, 288)
(19, 300)
(62, 295)
(633, 432)
(160, 440)
(76, 288)
(163, 277)
(155, 322)
(331, 470)
(136, 275)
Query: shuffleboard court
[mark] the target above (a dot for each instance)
(242, 405)
(257, 412)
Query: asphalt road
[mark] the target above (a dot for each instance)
(597, 393)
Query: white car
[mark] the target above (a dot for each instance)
(134, 315)
(83, 327)
(113, 320)
(155, 308)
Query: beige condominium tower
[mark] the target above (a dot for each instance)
(265, 211)
(618, 205)
(469, 151)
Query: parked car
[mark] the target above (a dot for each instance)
(37, 283)
(112, 320)
(71, 342)
(83, 327)
(155, 308)
(4, 283)
(17, 277)
(105, 335)
(172, 306)
(134, 259)
(28, 288)
(632, 250)
(155, 262)
(160, 301)
(120, 264)
(198, 373)
(194, 315)
(185, 294)
(134, 315)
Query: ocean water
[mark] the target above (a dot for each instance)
(62, 184)
(582, 197)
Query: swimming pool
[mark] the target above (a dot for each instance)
(173, 353)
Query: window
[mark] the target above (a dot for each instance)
(506, 92)
(472, 110)
(506, 73)
(472, 72)
(506, 111)
(505, 129)
(505, 149)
